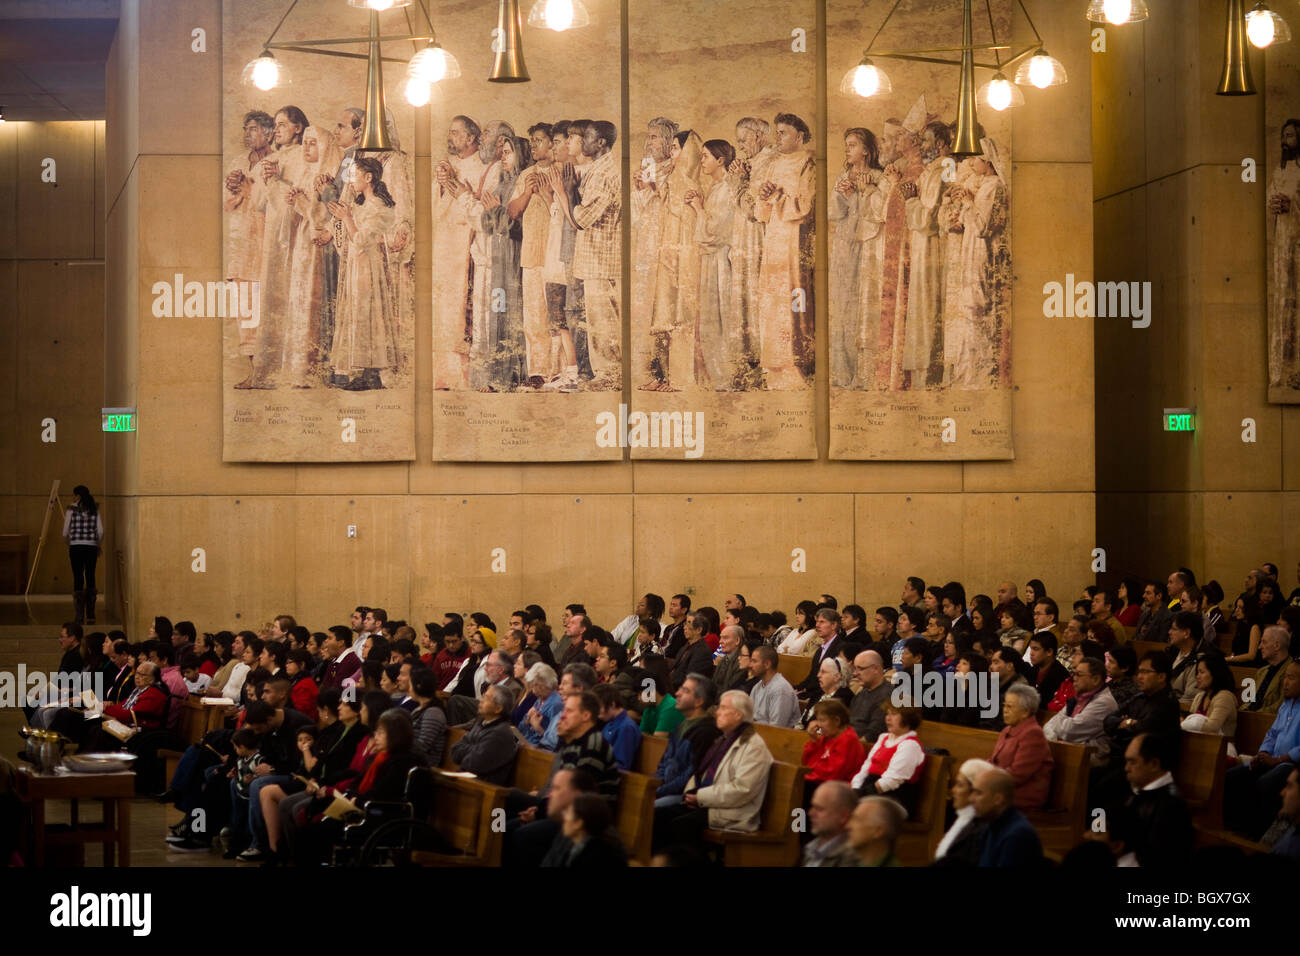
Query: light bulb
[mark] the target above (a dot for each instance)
(866, 81)
(379, 4)
(417, 91)
(1040, 72)
(266, 73)
(1259, 27)
(1118, 11)
(559, 14)
(999, 94)
(429, 65)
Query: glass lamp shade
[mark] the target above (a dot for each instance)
(1041, 70)
(265, 73)
(379, 6)
(559, 15)
(865, 80)
(433, 64)
(1117, 12)
(1264, 28)
(1001, 94)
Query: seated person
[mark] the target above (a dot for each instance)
(833, 803)
(195, 682)
(1022, 749)
(384, 778)
(1283, 837)
(1082, 719)
(489, 747)
(1274, 647)
(429, 718)
(541, 682)
(660, 715)
(833, 684)
(1155, 827)
(1252, 790)
(896, 762)
(961, 843)
(1046, 674)
(1009, 838)
(729, 785)
(874, 829)
(833, 751)
(566, 784)
(593, 842)
(689, 741)
(617, 726)
(1214, 708)
(1154, 709)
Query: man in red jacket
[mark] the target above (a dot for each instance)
(447, 662)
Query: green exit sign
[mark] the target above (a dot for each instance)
(118, 419)
(1180, 419)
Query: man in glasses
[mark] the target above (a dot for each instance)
(1152, 710)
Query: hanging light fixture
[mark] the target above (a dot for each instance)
(1235, 80)
(559, 15)
(265, 73)
(1118, 12)
(1041, 70)
(1264, 28)
(508, 64)
(866, 79)
(1001, 94)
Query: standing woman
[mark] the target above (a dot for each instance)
(715, 206)
(83, 529)
(366, 324)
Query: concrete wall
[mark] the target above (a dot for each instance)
(1171, 208)
(274, 535)
(52, 330)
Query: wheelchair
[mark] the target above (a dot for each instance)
(389, 831)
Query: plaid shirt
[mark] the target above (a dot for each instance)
(592, 753)
(600, 216)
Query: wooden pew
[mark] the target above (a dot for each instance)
(786, 744)
(794, 668)
(462, 812)
(649, 754)
(1202, 762)
(1252, 728)
(1062, 821)
(922, 833)
(195, 721)
(775, 842)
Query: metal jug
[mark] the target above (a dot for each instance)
(44, 748)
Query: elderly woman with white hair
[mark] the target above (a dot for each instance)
(1022, 749)
(541, 681)
(961, 844)
(833, 680)
(726, 791)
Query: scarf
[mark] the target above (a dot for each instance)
(372, 772)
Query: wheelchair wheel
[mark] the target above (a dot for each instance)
(391, 844)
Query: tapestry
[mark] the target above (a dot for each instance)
(920, 250)
(318, 301)
(1280, 172)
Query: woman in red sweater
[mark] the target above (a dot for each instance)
(834, 752)
(303, 693)
(1022, 749)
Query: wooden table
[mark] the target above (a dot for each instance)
(113, 790)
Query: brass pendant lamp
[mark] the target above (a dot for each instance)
(508, 62)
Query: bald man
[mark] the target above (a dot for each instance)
(1010, 839)
(727, 674)
(833, 804)
(873, 830)
(866, 710)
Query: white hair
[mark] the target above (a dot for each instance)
(742, 702)
(970, 769)
(1028, 697)
(543, 674)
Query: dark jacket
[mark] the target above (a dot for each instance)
(1155, 713)
(390, 781)
(727, 673)
(1048, 682)
(694, 659)
(674, 639)
(1157, 826)
(809, 687)
(590, 752)
(1011, 840)
(598, 853)
(689, 741)
(336, 745)
(488, 751)
(279, 747)
(867, 712)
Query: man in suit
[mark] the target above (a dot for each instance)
(1275, 648)
(1010, 839)
(1155, 827)
(827, 623)
(1045, 619)
(727, 674)
(1153, 624)
(953, 604)
(853, 621)
(695, 658)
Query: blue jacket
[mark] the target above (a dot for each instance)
(676, 765)
(624, 738)
(1283, 738)
(1011, 840)
(548, 737)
